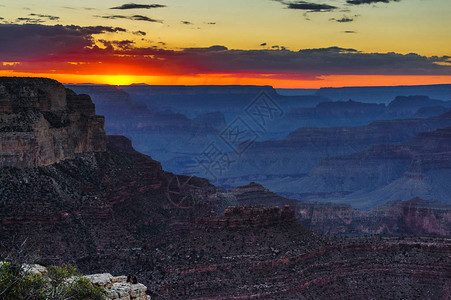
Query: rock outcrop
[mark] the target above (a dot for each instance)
(43, 123)
(408, 217)
(116, 287)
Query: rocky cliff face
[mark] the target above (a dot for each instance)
(248, 259)
(43, 123)
(242, 216)
(408, 217)
(420, 167)
(304, 149)
(407, 106)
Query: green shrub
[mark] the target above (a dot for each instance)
(59, 283)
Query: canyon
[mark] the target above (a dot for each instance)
(105, 207)
(313, 148)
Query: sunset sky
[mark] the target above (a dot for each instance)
(297, 44)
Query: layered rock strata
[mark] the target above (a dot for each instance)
(42, 123)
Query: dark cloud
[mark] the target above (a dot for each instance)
(94, 29)
(186, 23)
(32, 41)
(134, 18)
(29, 20)
(214, 48)
(138, 6)
(144, 18)
(359, 2)
(115, 44)
(211, 23)
(263, 44)
(342, 20)
(51, 18)
(277, 47)
(139, 32)
(310, 7)
(312, 62)
(349, 31)
(42, 48)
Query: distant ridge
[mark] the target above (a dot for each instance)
(384, 94)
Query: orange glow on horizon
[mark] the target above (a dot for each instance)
(225, 79)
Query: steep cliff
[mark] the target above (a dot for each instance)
(406, 217)
(43, 123)
(71, 195)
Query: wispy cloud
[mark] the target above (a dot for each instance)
(51, 18)
(29, 20)
(138, 6)
(308, 6)
(342, 20)
(359, 2)
(134, 18)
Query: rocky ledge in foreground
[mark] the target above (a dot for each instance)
(116, 287)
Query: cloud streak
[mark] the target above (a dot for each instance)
(134, 18)
(308, 6)
(342, 20)
(138, 6)
(51, 18)
(359, 2)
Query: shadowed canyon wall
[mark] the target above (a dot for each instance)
(43, 123)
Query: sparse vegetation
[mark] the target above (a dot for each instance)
(21, 281)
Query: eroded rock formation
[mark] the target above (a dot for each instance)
(43, 123)
(408, 217)
(247, 259)
(116, 287)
